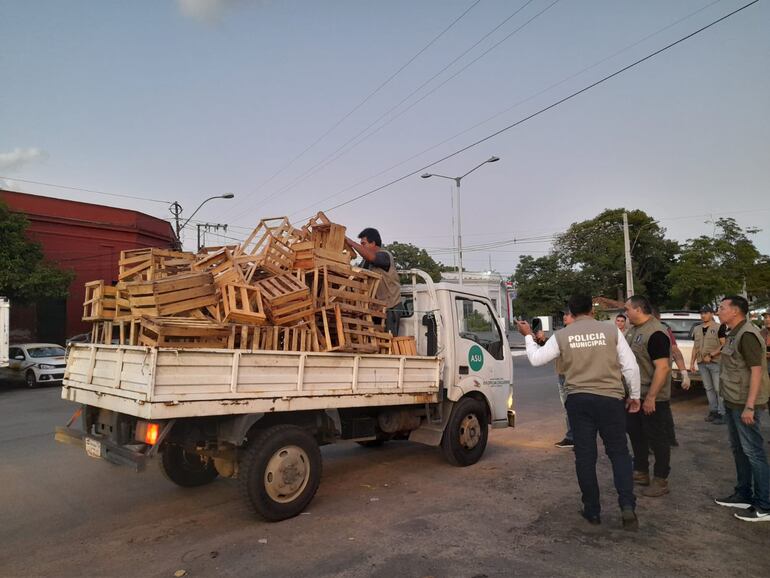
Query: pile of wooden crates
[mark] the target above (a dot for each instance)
(284, 288)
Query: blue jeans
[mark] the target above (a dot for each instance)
(750, 459)
(709, 372)
(590, 414)
(563, 396)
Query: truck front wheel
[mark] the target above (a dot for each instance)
(465, 436)
(186, 469)
(280, 471)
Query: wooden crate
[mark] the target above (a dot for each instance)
(353, 288)
(270, 338)
(330, 332)
(267, 248)
(152, 263)
(403, 346)
(325, 243)
(100, 303)
(172, 295)
(110, 332)
(242, 304)
(287, 300)
(183, 333)
(221, 265)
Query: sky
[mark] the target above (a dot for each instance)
(299, 106)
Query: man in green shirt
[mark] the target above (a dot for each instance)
(744, 385)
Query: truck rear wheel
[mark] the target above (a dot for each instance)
(280, 471)
(465, 436)
(186, 469)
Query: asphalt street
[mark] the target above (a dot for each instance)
(399, 510)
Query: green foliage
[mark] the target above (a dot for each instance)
(24, 274)
(595, 248)
(543, 285)
(710, 267)
(410, 257)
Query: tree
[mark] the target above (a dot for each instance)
(24, 274)
(409, 256)
(543, 285)
(595, 248)
(710, 267)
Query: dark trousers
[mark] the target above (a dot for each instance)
(750, 459)
(652, 431)
(392, 319)
(590, 414)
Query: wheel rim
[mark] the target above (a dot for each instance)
(287, 474)
(30, 380)
(470, 431)
(192, 462)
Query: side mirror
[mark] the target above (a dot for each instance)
(19, 357)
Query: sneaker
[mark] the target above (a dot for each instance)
(565, 443)
(710, 416)
(593, 519)
(754, 515)
(734, 501)
(641, 478)
(630, 521)
(718, 420)
(657, 488)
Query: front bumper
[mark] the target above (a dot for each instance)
(106, 449)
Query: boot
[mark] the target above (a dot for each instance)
(658, 487)
(630, 521)
(641, 478)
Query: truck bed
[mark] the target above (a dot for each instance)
(154, 383)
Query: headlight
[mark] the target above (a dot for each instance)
(45, 366)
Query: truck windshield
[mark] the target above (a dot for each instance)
(46, 352)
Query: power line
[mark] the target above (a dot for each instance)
(86, 190)
(336, 154)
(508, 109)
(544, 109)
(358, 106)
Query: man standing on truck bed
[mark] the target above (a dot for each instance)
(375, 258)
(594, 358)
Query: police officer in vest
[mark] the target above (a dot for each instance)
(594, 358)
(650, 428)
(709, 337)
(375, 258)
(744, 385)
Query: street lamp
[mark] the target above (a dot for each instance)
(176, 210)
(459, 230)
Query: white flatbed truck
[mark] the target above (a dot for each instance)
(260, 416)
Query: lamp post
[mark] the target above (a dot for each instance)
(459, 229)
(176, 210)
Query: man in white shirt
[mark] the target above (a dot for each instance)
(595, 358)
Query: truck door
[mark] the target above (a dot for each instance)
(481, 354)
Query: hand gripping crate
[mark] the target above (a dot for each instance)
(152, 263)
(183, 333)
(172, 296)
(287, 300)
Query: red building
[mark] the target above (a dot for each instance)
(86, 239)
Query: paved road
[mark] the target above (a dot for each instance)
(395, 511)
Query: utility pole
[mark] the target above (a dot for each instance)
(176, 210)
(629, 266)
(205, 227)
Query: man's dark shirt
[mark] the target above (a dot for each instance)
(659, 346)
(381, 260)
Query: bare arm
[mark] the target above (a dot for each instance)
(367, 253)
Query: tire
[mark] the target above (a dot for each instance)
(466, 433)
(280, 471)
(186, 469)
(30, 380)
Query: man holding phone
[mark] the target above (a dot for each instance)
(595, 358)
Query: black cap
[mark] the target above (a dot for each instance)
(706, 309)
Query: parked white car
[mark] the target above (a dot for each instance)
(682, 324)
(35, 364)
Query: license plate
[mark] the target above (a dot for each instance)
(93, 448)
